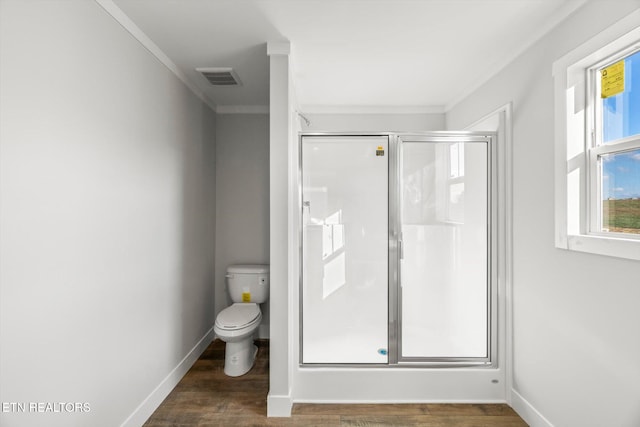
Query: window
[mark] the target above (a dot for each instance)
(597, 134)
(614, 152)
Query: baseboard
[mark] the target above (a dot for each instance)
(527, 412)
(279, 406)
(155, 398)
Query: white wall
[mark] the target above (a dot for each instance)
(242, 198)
(373, 122)
(106, 215)
(576, 342)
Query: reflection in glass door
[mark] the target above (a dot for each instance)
(444, 273)
(344, 289)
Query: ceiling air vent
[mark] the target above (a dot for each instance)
(220, 76)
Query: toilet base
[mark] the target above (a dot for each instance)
(239, 357)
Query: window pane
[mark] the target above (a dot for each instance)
(621, 192)
(620, 112)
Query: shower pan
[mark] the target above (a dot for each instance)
(397, 250)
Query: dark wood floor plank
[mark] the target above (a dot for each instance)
(359, 409)
(432, 421)
(206, 397)
(471, 409)
(247, 421)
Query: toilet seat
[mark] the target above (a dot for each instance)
(238, 316)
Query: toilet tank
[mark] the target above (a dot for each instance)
(248, 282)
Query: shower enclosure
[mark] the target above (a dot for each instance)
(397, 249)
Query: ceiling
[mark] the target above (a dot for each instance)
(367, 54)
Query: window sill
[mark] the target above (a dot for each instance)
(609, 246)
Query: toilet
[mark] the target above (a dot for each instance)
(237, 324)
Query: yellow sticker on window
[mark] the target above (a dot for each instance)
(246, 297)
(612, 80)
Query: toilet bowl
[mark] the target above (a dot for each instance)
(237, 324)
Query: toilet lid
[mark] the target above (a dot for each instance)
(238, 316)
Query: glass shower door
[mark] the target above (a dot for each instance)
(345, 239)
(444, 266)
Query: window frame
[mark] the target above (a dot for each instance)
(576, 165)
(597, 148)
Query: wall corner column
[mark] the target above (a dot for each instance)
(279, 399)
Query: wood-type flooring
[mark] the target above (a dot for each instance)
(207, 397)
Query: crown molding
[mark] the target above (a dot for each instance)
(121, 18)
(372, 109)
(242, 109)
(566, 10)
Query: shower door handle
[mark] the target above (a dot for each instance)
(400, 249)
